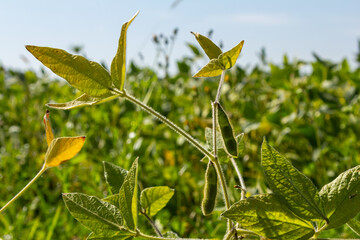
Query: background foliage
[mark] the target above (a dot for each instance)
(309, 111)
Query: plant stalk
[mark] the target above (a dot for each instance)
(215, 160)
(152, 224)
(241, 180)
(169, 123)
(42, 170)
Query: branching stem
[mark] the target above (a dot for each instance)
(169, 123)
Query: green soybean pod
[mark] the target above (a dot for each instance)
(210, 190)
(227, 132)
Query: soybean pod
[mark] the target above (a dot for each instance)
(210, 190)
(227, 132)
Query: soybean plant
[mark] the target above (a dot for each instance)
(294, 210)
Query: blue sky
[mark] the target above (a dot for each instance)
(298, 28)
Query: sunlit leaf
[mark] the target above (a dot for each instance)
(118, 64)
(83, 100)
(224, 61)
(209, 139)
(48, 130)
(266, 216)
(292, 187)
(62, 149)
(114, 176)
(128, 197)
(87, 76)
(154, 199)
(228, 59)
(341, 197)
(98, 216)
(113, 199)
(212, 69)
(210, 48)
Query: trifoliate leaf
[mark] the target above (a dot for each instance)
(292, 187)
(266, 216)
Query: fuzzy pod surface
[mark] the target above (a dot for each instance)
(210, 190)
(227, 132)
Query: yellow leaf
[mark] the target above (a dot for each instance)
(63, 149)
(210, 48)
(48, 130)
(228, 59)
(119, 61)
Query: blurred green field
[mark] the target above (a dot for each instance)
(309, 111)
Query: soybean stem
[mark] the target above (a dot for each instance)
(169, 123)
(215, 160)
(241, 180)
(152, 223)
(42, 170)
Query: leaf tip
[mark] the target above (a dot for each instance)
(30, 48)
(264, 140)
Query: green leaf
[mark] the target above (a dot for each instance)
(266, 216)
(154, 199)
(211, 69)
(83, 100)
(111, 235)
(114, 176)
(228, 59)
(221, 154)
(96, 215)
(118, 64)
(341, 197)
(292, 187)
(63, 149)
(227, 132)
(87, 76)
(113, 199)
(354, 225)
(128, 197)
(224, 61)
(210, 48)
(209, 139)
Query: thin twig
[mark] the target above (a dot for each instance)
(152, 223)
